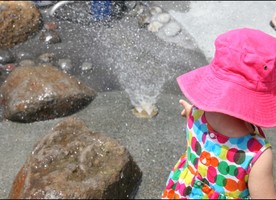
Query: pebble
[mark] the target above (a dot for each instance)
(8, 67)
(65, 64)
(154, 10)
(50, 37)
(155, 26)
(143, 21)
(172, 29)
(47, 57)
(86, 66)
(26, 63)
(50, 25)
(163, 18)
(6, 56)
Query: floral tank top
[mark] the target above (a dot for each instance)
(214, 166)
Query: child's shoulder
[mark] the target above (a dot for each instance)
(197, 113)
(195, 109)
(259, 140)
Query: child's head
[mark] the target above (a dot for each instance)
(240, 80)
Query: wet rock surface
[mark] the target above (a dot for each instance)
(74, 162)
(6, 56)
(33, 93)
(47, 57)
(49, 37)
(19, 20)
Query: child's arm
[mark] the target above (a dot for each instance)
(261, 181)
(187, 108)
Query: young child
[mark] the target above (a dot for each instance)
(227, 155)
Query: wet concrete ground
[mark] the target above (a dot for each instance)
(154, 143)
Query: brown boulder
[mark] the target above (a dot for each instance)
(34, 93)
(18, 20)
(72, 162)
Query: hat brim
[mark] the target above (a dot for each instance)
(209, 93)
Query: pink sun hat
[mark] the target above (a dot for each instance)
(240, 80)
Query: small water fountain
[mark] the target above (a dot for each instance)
(144, 106)
(140, 72)
(136, 65)
(141, 61)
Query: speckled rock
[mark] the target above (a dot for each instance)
(73, 162)
(8, 68)
(172, 29)
(154, 10)
(86, 66)
(34, 93)
(49, 37)
(155, 26)
(162, 17)
(18, 20)
(65, 64)
(6, 56)
(50, 25)
(27, 62)
(47, 57)
(143, 21)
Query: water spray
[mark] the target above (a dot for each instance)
(149, 111)
(100, 10)
(57, 5)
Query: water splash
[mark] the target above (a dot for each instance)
(138, 61)
(139, 77)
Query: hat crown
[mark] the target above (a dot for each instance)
(247, 57)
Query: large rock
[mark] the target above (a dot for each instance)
(18, 20)
(34, 93)
(72, 162)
